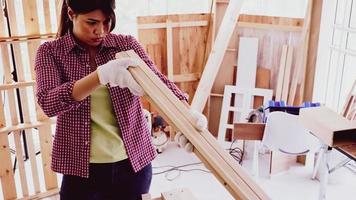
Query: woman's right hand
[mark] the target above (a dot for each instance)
(115, 73)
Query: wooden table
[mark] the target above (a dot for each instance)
(334, 131)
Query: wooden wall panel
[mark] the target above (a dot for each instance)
(189, 46)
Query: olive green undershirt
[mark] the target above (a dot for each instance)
(106, 143)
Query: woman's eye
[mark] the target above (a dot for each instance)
(106, 22)
(91, 23)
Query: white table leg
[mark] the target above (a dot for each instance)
(324, 172)
(255, 165)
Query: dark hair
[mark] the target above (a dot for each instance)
(83, 7)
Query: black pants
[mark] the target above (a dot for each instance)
(116, 181)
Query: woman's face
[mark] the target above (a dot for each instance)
(90, 28)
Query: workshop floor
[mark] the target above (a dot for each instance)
(294, 184)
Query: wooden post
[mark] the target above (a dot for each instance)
(312, 50)
(217, 54)
(301, 56)
(169, 36)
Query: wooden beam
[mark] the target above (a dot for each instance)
(270, 27)
(26, 38)
(242, 185)
(186, 77)
(312, 50)
(15, 85)
(44, 195)
(301, 56)
(217, 54)
(24, 126)
(6, 173)
(249, 131)
(169, 36)
(287, 74)
(172, 25)
(282, 66)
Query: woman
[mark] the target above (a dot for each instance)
(102, 145)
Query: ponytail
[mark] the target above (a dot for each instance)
(64, 23)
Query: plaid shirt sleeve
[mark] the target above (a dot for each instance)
(135, 45)
(53, 95)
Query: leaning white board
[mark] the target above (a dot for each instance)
(246, 70)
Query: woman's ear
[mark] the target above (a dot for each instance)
(70, 14)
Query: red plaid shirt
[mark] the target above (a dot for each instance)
(58, 65)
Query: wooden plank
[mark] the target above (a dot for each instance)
(247, 62)
(287, 74)
(23, 126)
(242, 185)
(263, 77)
(249, 131)
(30, 17)
(312, 50)
(269, 27)
(186, 77)
(21, 164)
(178, 194)
(282, 65)
(146, 197)
(217, 54)
(212, 170)
(14, 118)
(348, 147)
(26, 38)
(44, 195)
(45, 136)
(246, 68)
(172, 25)
(327, 125)
(58, 4)
(280, 162)
(301, 56)
(349, 100)
(47, 15)
(169, 37)
(14, 85)
(173, 113)
(6, 173)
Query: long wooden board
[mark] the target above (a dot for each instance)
(217, 54)
(242, 186)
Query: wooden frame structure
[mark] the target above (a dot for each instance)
(223, 166)
(19, 50)
(243, 109)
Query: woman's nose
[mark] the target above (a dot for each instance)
(99, 31)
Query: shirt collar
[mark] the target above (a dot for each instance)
(70, 43)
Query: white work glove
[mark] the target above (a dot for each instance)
(183, 142)
(115, 73)
(200, 120)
